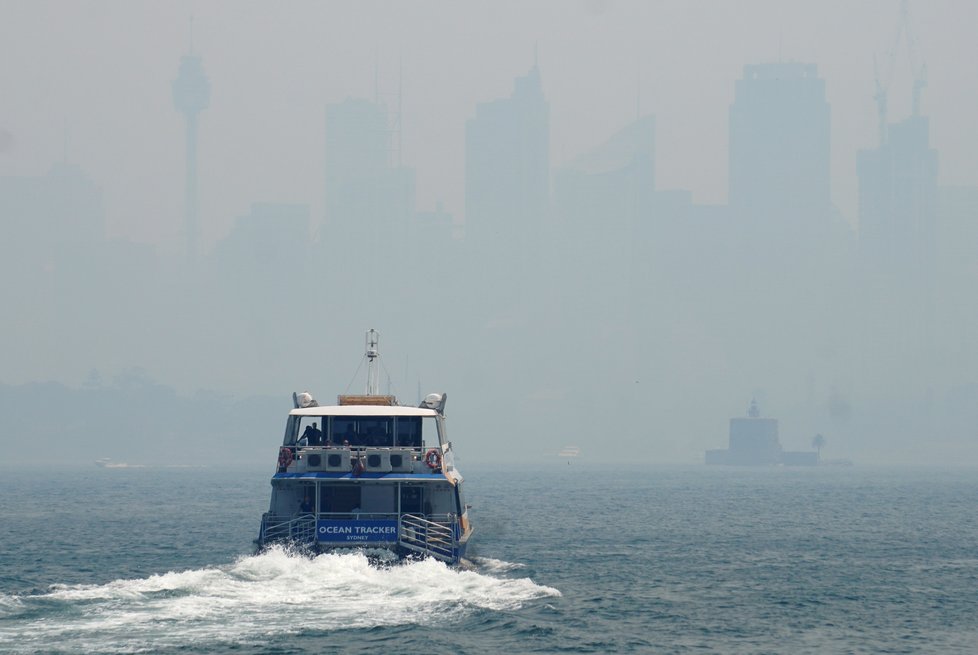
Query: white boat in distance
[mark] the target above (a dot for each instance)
(368, 473)
(106, 463)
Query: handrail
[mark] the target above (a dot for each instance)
(298, 529)
(353, 448)
(425, 536)
(433, 535)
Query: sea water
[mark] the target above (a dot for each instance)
(565, 559)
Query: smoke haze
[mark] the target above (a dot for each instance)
(602, 223)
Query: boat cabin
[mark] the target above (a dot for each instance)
(376, 475)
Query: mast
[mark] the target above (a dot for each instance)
(372, 354)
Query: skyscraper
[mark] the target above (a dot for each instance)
(602, 201)
(779, 142)
(191, 95)
(897, 243)
(507, 190)
(897, 201)
(788, 246)
(369, 199)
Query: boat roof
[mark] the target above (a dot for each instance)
(362, 410)
(387, 477)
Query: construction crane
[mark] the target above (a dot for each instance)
(918, 70)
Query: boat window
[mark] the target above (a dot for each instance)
(374, 431)
(310, 431)
(344, 430)
(377, 431)
(339, 498)
(409, 431)
(429, 432)
(378, 499)
(411, 498)
(291, 431)
(305, 498)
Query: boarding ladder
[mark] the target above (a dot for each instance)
(431, 538)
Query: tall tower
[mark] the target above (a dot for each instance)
(507, 162)
(369, 200)
(507, 188)
(191, 95)
(898, 211)
(779, 142)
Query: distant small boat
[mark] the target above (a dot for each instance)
(569, 451)
(106, 463)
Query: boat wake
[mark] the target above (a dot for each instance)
(275, 594)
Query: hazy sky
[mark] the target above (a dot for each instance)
(93, 80)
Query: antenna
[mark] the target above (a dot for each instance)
(880, 97)
(919, 82)
(638, 94)
(376, 76)
(919, 72)
(373, 375)
(400, 94)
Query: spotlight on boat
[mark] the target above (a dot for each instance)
(435, 401)
(304, 399)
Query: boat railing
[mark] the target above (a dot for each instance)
(436, 536)
(300, 528)
(354, 448)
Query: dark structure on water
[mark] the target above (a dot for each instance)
(754, 442)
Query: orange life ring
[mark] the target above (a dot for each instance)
(432, 458)
(284, 457)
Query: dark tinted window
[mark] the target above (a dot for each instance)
(363, 431)
(409, 431)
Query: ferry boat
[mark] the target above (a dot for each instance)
(368, 473)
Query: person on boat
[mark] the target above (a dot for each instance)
(313, 436)
(305, 507)
(349, 435)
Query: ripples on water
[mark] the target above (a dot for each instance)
(665, 560)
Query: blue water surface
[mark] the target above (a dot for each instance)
(566, 559)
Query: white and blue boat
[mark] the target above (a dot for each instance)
(368, 473)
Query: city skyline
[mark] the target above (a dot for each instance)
(578, 276)
(644, 85)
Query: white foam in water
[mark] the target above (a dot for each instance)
(490, 565)
(273, 594)
(9, 605)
